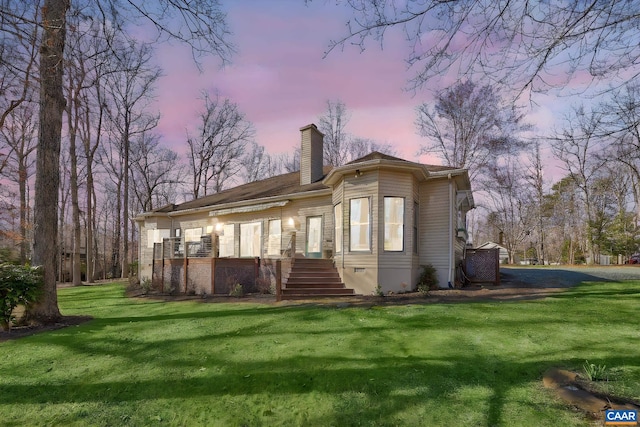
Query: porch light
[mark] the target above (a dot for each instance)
(292, 222)
(219, 226)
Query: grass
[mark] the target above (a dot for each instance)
(144, 362)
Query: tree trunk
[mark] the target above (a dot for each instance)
(52, 104)
(90, 222)
(90, 152)
(115, 249)
(61, 242)
(75, 213)
(24, 208)
(72, 125)
(125, 201)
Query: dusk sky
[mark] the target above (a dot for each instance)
(281, 82)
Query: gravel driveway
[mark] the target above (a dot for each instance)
(564, 276)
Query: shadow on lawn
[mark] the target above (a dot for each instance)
(377, 387)
(388, 386)
(377, 383)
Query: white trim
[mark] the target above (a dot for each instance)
(250, 208)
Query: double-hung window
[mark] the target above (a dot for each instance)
(394, 224)
(360, 224)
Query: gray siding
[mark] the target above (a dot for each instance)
(395, 268)
(435, 227)
(359, 270)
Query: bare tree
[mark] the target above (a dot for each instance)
(290, 161)
(202, 25)
(130, 90)
(96, 53)
(535, 179)
(509, 205)
(19, 137)
(112, 161)
(515, 42)
(75, 110)
(65, 194)
(215, 153)
(155, 173)
(469, 126)
(621, 122)
(565, 232)
(52, 104)
(360, 147)
(579, 145)
(18, 54)
(340, 146)
(336, 140)
(258, 164)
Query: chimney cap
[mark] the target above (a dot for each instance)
(311, 126)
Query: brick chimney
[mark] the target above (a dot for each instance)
(311, 153)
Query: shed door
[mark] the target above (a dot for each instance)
(314, 237)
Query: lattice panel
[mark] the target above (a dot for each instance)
(482, 265)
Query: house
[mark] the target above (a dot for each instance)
(378, 219)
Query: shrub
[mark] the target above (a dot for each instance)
(428, 279)
(19, 285)
(378, 292)
(133, 268)
(264, 285)
(168, 288)
(236, 291)
(594, 372)
(146, 284)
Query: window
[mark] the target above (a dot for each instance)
(250, 236)
(275, 237)
(416, 216)
(337, 217)
(360, 232)
(192, 234)
(393, 224)
(227, 241)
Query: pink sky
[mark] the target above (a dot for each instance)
(281, 82)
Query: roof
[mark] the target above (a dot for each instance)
(376, 155)
(280, 185)
(491, 245)
(288, 184)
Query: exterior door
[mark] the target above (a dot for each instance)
(314, 237)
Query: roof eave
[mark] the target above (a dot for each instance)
(240, 203)
(417, 169)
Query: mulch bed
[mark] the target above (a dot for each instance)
(24, 331)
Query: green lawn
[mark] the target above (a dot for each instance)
(144, 362)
